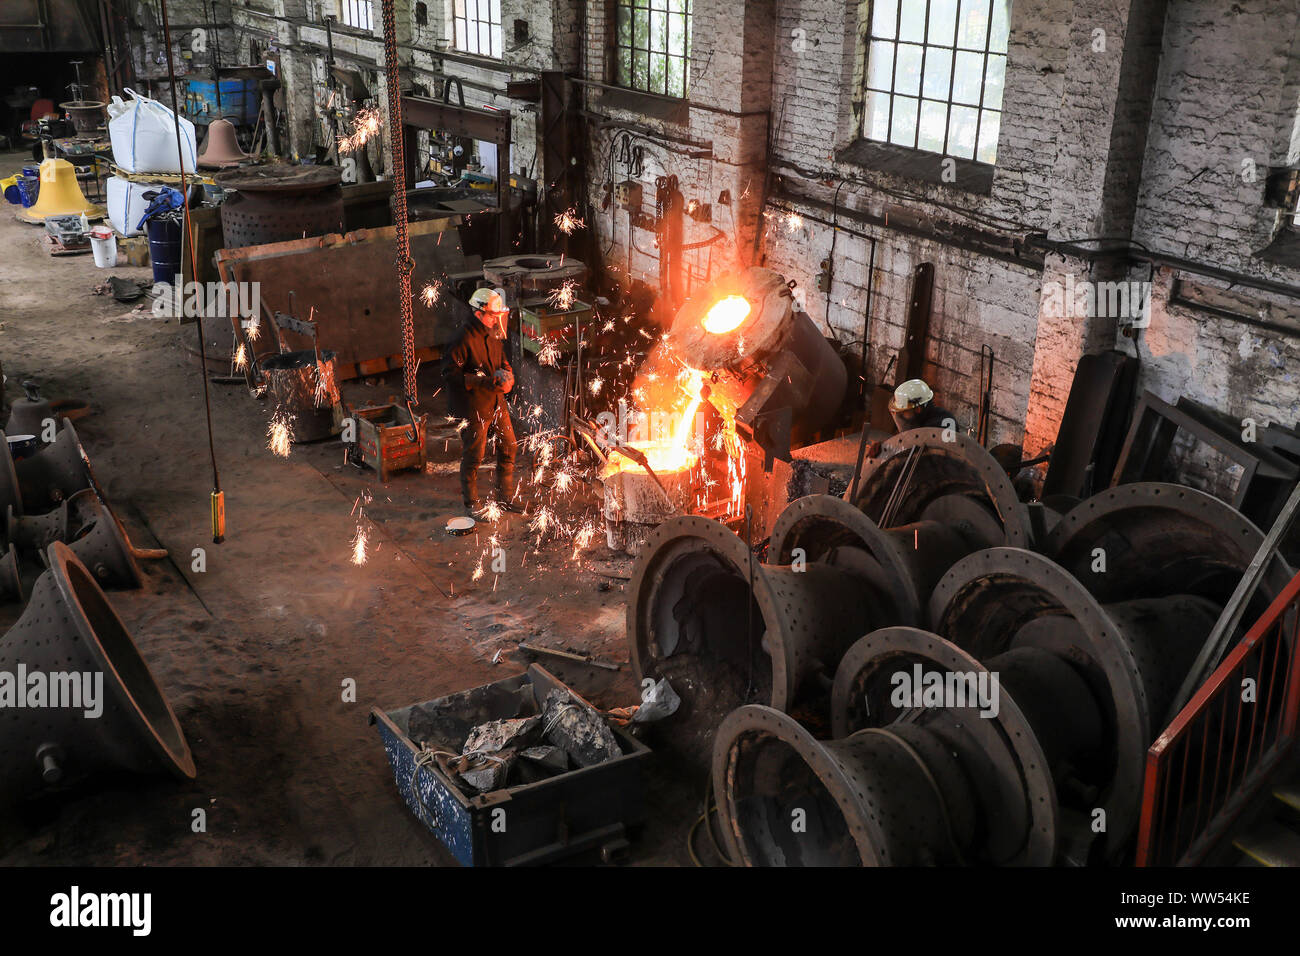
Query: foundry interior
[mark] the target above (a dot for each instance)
(650, 433)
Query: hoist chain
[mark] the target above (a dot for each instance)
(404, 263)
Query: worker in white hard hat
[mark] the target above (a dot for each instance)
(478, 377)
(913, 407)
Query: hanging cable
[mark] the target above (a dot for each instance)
(218, 496)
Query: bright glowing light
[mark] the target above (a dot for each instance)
(549, 355)
(364, 125)
(568, 221)
(429, 294)
(241, 357)
(726, 314)
(359, 546)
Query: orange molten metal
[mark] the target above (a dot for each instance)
(726, 314)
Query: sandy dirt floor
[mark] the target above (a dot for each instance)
(253, 651)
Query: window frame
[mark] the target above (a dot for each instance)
(912, 160)
(496, 32)
(355, 7)
(617, 49)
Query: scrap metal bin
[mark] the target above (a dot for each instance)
(591, 807)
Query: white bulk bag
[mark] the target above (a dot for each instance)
(143, 134)
(126, 203)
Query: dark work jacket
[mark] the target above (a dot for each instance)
(478, 349)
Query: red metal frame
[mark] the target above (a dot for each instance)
(1226, 778)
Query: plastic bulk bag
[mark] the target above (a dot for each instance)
(143, 136)
(126, 203)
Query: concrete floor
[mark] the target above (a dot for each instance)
(253, 651)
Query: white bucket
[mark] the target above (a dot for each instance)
(104, 246)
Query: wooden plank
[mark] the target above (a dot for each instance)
(205, 221)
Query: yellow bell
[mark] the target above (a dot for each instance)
(60, 195)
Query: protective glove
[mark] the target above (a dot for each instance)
(503, 380)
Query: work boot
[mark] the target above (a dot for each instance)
(509, 504)
(474, 509)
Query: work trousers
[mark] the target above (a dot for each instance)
(475, 438)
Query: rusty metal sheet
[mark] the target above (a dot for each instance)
(349, 281)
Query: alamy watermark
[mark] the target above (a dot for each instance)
(919, 688)
(179, 299)
(1129, 301)
(71, 690)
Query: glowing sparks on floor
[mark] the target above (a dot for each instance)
(279, 434)
(359, 545)
(549, 355)
(543, 521)
(241, 357)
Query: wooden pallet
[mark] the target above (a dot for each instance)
(167, 179)
(56, 248)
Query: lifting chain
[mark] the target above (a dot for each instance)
(404, 263)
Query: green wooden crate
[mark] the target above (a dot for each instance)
(541, 324)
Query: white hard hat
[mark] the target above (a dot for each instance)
(491, 300)
(911, 393)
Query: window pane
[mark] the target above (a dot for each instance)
(961, 132)
(496, 11)
(934, 123)
(994, 82)
(624, 68)
(938, 73)
(943, 21)
(973, 27)
(496, 39)
(884, 18)
(640, 28)
(460, 35)
(658, 73)
(624, 26)
(676, 77)
(912, 26)
(658, 31)
(460, 9)
(876, 123)
(1001, 27)
(907, 76)
(968, 78)
(880, 65)
(904, 129)
(640, 70)
(484, 37)
(989, 125)
(676, 33)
